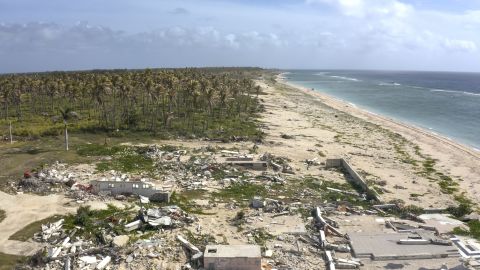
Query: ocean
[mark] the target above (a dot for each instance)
(445, 103)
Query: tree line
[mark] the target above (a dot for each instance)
(186, 101)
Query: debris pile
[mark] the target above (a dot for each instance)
(162, 154)
(66, 251)
(52, 179)
(278, 163)
(168, 216)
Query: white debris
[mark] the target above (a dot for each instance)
(103, 263)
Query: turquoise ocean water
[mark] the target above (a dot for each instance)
(445, 103)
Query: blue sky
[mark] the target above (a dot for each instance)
(40, 35)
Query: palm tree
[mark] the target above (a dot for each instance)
(66, 114)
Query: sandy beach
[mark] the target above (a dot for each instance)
(380, 147)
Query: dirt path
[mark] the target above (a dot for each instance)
(23, 209)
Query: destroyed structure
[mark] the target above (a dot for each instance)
(354, 176)
(232, 257)
(345, 231)
(247, 163)
(145, 189)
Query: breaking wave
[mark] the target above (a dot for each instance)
(345, 78)
(389, 84)
(455, 92)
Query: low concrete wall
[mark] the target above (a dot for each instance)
(239, 159)
(253, 165)
(131, 187)
(357, 179)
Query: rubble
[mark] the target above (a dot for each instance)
(120, 240)
(278, 221)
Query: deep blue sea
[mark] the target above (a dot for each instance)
(446, 103)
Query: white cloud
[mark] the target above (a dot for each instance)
(42, 37)
(326, 33)
(460, 45)
(368, 8)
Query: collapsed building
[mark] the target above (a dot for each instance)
(355, 178)
(145, 189)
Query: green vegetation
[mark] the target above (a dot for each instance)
(336, 196)
(261, 236)
(128, 160)
(413, 209)
(8, 261)
(183, 200)
(473, 229)
(199, 240)
(217, 103)
(90, 223)
(27, 232)
(427, 167)
(464, 208)
(3, 215)
(241, 192)
(94, 149)
(318, 191)
(239, 220)
(400, 145)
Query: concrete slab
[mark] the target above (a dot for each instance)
(284, 225)
(442, 222)
(384, 246)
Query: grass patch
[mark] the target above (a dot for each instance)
(127, 160)
(427, 169)
(28, 231)
(464, 208)
(403, 211)
(318, 190)
(261, 236)
(428, 164)
(8, 261)
(241, 192)
(400, 144)
(183, 200)
(94, 149)
(473, 230)
(199, 240)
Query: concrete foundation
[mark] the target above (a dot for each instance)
(253, 165)
(384, 246)
(232, 257)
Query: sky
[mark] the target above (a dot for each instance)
(46, 35)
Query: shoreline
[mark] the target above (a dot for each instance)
(352, 109)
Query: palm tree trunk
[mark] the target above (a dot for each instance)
(10, 131)
(66, 137)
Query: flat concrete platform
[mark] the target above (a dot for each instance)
(384, 246)
(442, 222)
